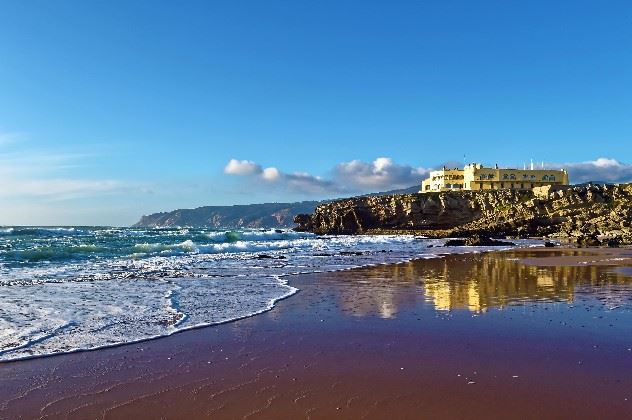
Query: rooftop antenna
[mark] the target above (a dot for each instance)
(524, 166)
(542, 164)
(531, 164)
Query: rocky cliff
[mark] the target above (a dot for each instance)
(268, 215)
(588, 214)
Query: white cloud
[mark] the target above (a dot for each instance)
(242, 167)
(304, 182)
(347, 177)
(605, 162)
(380, 174)
(599, 170)
(383, 174)
(271, 174)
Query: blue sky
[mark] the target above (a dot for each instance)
(110, 110)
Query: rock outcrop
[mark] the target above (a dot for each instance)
(477, 240)
(589, 214)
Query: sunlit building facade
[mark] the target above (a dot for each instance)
(476, 177)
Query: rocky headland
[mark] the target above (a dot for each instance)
(268, 215)
(587, 214)
(253, 216)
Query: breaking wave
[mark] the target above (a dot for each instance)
(80, 288)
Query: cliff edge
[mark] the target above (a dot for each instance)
(588, 214)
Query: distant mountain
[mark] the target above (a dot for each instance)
(266, 215)
(583, 184)
(410, 190)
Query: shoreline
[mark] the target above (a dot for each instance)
(302, 345)
(271, 304)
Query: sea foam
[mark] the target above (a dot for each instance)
(83, 288)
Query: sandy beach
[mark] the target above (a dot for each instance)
(543, 333)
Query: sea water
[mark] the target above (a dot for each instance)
(80, 288)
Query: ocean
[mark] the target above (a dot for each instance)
(80, 288)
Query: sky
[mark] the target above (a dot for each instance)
(114, 109)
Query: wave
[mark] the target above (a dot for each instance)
(189, 246)
(124, 285)
(53, 253)
(253, 235)
(43, 231)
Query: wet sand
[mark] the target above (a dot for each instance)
(528, 334)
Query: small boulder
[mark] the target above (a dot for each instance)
(477, 240)
(480, 240)
(614, 242)
(588, 240)
(455, 242)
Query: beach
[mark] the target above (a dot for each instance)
(531, 333)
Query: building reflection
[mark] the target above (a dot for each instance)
(475, 282)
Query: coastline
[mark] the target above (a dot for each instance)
(367, 342)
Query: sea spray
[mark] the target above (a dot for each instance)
(79, 288)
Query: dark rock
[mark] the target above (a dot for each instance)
(588, 240)
(351, 253)
(303, 222)
(480, 240)
(270, 257)
(477, 240)
(455, 242)
(614, 242)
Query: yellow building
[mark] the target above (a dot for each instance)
(476, 177)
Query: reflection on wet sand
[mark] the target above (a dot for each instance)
(477, 282)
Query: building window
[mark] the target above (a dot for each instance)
(545, 178)
(552, 178)
(512, 177)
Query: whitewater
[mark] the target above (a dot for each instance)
(82, 288)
